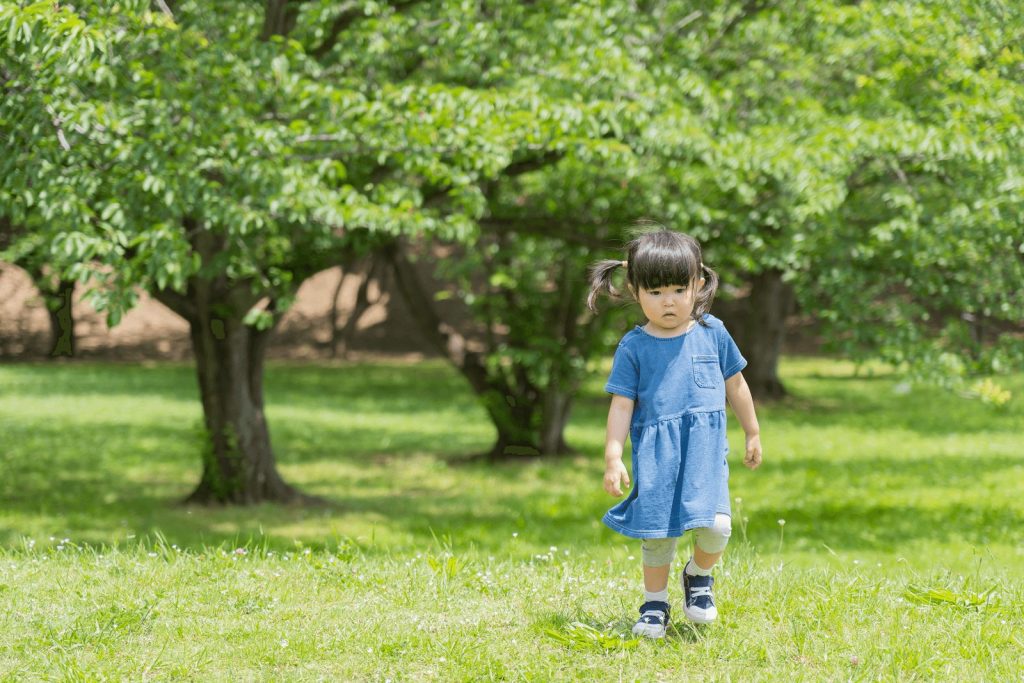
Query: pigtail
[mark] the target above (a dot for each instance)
(601, 281)
(706, 295)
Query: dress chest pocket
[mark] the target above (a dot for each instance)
(706, 373)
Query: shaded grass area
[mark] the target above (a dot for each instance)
(102, 454)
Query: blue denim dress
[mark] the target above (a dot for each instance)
(680, 470)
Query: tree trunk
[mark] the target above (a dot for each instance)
(341, 337)
(557, 406)
(346, 266)
(58, 303)
(530, 420)
(510, 414)
(529, 427)
(62, 323)
(512, 418)
(279, 18)
(565, 316)
(238, 461)
(762, 331)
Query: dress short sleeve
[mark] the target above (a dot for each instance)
(729, 356)
(624, 379)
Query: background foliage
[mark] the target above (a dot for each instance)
(865, 155)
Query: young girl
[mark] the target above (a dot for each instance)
(669, 382)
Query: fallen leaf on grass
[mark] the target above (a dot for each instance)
(943, 596)
(580, 636)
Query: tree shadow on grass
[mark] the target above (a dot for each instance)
(839, 526)
(883, 528)
(70, 477)
(91, 505)
(57, 492)
(418, 388)
(906, 499)
(940, 415)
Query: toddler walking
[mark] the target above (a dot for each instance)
(669, 382)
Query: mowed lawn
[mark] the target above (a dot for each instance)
(883, 538)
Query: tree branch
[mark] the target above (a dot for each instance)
(749, 10)
(348, 16)
(545, 226)
(448, 341)
(179, 303)
(165, 8)
(341, 22)
(533, 164)
(279, 18)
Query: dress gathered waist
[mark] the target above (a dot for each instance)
(676, 416)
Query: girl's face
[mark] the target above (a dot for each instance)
(668, 308)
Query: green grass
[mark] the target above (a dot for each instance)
(902, 555)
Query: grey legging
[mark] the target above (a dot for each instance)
(658, 552)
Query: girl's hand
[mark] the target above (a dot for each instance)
(614, 474)
(753, 456)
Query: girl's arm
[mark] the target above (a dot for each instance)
(619, 416)
(738, 393)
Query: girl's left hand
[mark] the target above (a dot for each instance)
(753, 456)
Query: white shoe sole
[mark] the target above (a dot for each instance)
(701, 616)
(649, 630)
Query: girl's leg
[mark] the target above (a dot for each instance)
(696, 577)
(657, 555)
(656, 578)
(710, 543)
(654, 613)
(705, 560)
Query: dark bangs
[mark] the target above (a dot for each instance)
(660, 258)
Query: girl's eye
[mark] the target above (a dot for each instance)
(679, 290)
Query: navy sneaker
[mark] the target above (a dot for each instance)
(654, 616)
(700, 603)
